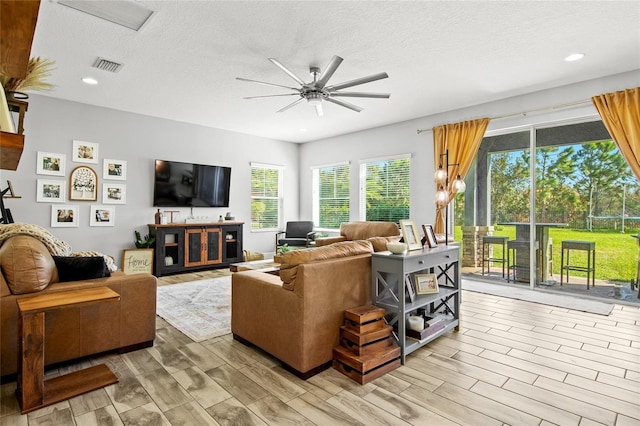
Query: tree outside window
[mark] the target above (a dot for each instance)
(266, 196)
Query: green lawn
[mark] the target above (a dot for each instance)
(616, 253)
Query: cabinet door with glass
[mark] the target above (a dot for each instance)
(203, 246)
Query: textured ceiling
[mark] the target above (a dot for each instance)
(440, 55)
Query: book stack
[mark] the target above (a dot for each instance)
(367, 349)
(432, 325)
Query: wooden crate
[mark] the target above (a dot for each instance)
(367, 349)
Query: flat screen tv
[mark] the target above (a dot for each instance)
(179, 184)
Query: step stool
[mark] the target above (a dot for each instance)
(367, 349)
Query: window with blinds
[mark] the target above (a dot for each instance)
(331, 195)
(384, 188)
(266, 196)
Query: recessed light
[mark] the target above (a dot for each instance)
(89, 80)
(574, 57)
(302, 129)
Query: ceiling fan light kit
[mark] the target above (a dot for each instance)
(317, 90)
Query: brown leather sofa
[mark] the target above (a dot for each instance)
(379, 233)
(28, 269)
(296, 317)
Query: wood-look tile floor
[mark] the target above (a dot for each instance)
(512, 362)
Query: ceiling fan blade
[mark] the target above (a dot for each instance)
(328, 71)
(319, 110)
(361, 95)
(291, 105)
(344, 104)
(289, 72)
(270, 96)
(358, 81)
(268, 84)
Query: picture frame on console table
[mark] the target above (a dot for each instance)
(137, 261)
(430, 234)
(410, 234)
(426, 283)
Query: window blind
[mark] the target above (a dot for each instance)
(266, 197)
(331, 195)
(384, 189)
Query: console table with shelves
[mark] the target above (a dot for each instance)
(389, 275)
(195, 246)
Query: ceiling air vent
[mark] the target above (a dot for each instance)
(107, 65)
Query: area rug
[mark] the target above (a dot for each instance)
(199, 309)
(537, 296)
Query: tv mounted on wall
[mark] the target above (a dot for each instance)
(178, 184)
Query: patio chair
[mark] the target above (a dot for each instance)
(296, 234)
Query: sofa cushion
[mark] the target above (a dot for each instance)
(380, 243)
(76, 268)
(363, 230)
(26, 264)
(291, 260)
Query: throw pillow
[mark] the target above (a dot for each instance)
(108, 259)
(26, 264)
(74, 268)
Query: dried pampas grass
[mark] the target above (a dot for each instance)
(38, 71)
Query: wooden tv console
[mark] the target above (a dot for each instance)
(184, 247)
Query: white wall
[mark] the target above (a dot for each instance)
(401, 138)
(51, 125)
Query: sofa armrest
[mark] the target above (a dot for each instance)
(325, 241)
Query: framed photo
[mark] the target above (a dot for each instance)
(85, 152)
(426, 283)
(64, 216)
(83, 184)
(137, 261)
(430, 235)
(114, 169)
(410, 234)
(51, 191)
(102, 215)
(114, 193)
(411, 292)
(49, 163)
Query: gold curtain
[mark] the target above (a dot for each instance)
(620, 112)
(462, 140)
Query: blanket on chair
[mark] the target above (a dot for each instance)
(55, 246)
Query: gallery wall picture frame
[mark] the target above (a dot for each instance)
(114, 169)
(50, 163)
(426, 283)
(85, 152)
(137, 261)
(100, 215)
(83, 184)
(114, 193)
(430, 235)
(64, 216)
(410, 234)
(50, 191)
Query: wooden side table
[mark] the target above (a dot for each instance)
(33, 391)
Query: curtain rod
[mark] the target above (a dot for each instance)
(524, 113)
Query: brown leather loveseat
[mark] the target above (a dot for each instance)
(28, 269)
(296, 317)
(379, 233)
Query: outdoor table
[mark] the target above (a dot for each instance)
(542, 237)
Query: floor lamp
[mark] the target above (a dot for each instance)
(442, 195)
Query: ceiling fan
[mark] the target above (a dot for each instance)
(317, 91)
